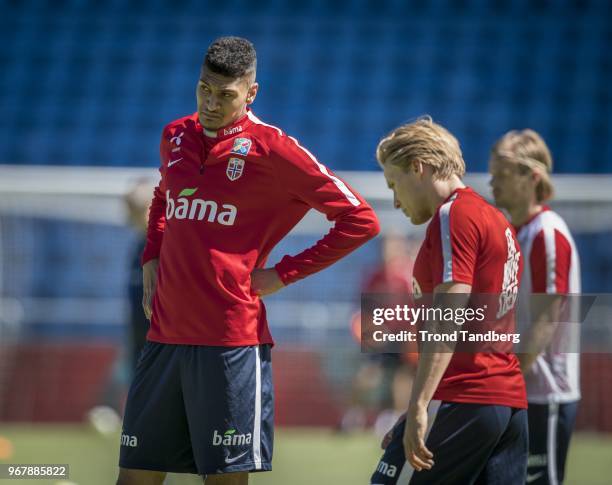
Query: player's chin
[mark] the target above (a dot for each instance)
(410, 216)
(212, 124)
(418, 219)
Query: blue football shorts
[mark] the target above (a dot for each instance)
(550, 430)
(471, 443)
(200, 409)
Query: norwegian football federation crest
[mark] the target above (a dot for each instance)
(235, 167)
(241, 146)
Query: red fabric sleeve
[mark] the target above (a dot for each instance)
(455, 244)
(537, 264)
(564, 259)
(312, 183)
(550, 263)
(157, 210)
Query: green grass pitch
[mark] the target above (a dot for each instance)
(302, 456)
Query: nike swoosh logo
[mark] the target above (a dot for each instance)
(232, 460)
(535, 476)
(172, 162)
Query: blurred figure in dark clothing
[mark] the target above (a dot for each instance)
(105, 416)
(137, 201)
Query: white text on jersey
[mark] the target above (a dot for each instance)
(199, 209)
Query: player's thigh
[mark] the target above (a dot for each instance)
(129, 476)
(229, 400)
(461, 439)
(507, 464)
(228, 479)
(155, 434)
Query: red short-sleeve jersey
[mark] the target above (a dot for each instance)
(470, 241)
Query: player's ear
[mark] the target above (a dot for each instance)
(417, 168)
(252, 92)
(536, 177)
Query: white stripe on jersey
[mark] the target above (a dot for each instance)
(445, 236)
(339, 183)
(257, 121)
(322, 168)
(551, 258)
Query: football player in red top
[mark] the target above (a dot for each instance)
(520, 165)
(466, 421)
(231, 188)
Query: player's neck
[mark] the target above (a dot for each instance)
(520, 214)
(241, 115)
(443, 190)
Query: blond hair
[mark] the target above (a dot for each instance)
(426, 142)
(528, 148)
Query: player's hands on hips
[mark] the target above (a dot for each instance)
(416, 452)
(265, 281)
(149, 282)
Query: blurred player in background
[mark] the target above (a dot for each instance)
(520, 166)
(137, 202)
(382, 383)
(476, 429)
(231, 188)
(105, 417)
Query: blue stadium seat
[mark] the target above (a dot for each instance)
(463, 61)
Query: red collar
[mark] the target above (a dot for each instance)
(229, 131)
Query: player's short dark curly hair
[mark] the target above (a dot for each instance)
(231, 56)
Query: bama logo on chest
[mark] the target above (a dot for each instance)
(191, 208)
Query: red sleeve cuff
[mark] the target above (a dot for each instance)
(287, 274)
(147, 255)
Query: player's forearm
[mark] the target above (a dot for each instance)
(350, 231)
(434, 357)
(541, 331)
(431, 368)
(537, 340)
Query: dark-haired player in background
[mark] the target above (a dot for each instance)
(476, 430)
(231, 188)
(520, 165)
(137, 201)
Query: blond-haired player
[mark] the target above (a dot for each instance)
(466, 422)
(521, 164)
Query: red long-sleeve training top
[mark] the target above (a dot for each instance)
(225, 199)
